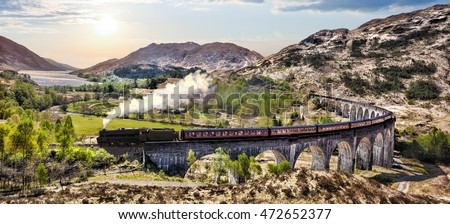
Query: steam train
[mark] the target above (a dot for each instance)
(139, 136)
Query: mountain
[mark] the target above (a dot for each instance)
(401, 62)
(14, 56)
(212, 56)
(380, 58)
(152, 71)
(61, 66)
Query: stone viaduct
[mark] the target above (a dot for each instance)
(360, 148)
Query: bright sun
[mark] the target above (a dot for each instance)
(106, 26)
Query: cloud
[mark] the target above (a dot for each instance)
(344, 5)
(23, 27)
(236, 1)
(206, 5)
(58, 11)
(85, 11)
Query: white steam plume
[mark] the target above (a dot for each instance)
(169, 97)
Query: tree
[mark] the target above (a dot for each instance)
(58, 126)
(439, 148)
(66, 137)
(191, 160)
(46, 125)
(4, 131)
(42, 140)
(191, 157)
(220, 163)
(87, 97)
(22, 137)
(64, 107)
(234, 170)
(21, 140)
(41, 174)
(254, 168)
(153, 84)
(244, 165)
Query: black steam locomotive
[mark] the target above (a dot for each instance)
(135, 136)
(142, 135)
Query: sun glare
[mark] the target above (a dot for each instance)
(106, 26)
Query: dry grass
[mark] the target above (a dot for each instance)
(299, 186)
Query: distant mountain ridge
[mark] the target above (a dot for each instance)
(63, 67)
(14, 56)
(211, 57)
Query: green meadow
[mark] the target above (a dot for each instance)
(91, 125)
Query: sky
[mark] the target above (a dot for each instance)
(85, 32)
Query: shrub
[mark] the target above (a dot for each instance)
(317, 60)
(422, 90)
(284, 167)
(447, 97)
(355, 83)
(356, 48)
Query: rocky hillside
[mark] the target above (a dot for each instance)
(212, 56)
(14, 56)
(299, 187)
(61, 66)
(399, 62)
(381, 57)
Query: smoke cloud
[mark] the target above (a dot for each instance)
(191, 87)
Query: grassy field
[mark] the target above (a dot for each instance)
(91, 125)
(94, 107)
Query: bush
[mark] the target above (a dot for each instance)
(423, 34)
(434, 147)
(317, 60)
(355, 83)
(284, 167)
(356, 48)
(322, 120)
(102, 159)
(447, 97)
(422, 90)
